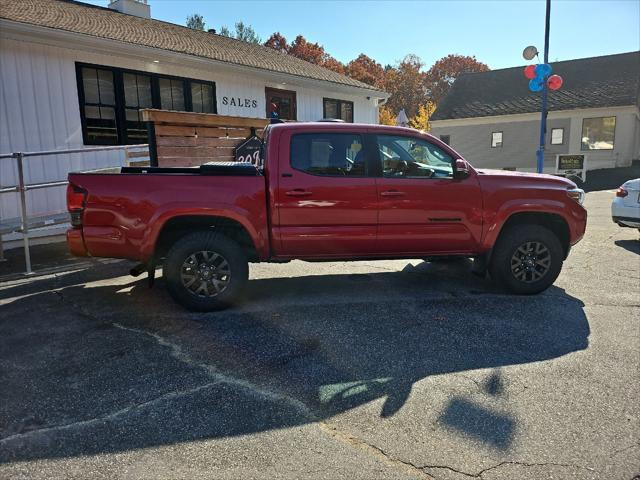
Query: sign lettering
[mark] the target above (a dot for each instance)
(240, 102)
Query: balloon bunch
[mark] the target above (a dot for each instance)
(540, 74)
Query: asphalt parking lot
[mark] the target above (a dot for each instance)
(391, 369)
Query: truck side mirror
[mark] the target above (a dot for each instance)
(462, 169)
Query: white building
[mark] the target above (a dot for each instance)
(493, 119)
(74, 75)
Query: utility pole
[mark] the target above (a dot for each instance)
(545, 89)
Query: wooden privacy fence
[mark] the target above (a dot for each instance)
(185, 139)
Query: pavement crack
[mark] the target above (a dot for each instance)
(104, 418)
(179, 354)
(374, 450)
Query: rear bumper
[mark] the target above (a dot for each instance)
(75, 242)
(631, 222)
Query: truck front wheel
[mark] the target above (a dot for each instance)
(526, 259)
(206, 271)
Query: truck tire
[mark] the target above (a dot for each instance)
(206, 271)
(526, 259)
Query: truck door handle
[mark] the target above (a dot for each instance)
(392, 193)
(298, 192)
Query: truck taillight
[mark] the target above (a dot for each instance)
(76, 197)
(621, 192)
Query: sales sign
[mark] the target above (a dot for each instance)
(572, 165)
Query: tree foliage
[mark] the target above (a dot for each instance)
(243, 32)
(277, 42)
(386, 116)
(443, 73)
(421, 120)
(196, 21)
(367, 70)
(405, 83)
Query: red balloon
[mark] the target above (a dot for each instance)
(530, 71)
(554, 82)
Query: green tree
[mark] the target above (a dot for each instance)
(195, 21)
(243, 32)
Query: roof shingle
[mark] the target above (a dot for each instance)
(77, 17)
(608, 81)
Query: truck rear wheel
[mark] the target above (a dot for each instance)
(527, 259)
(206, 271)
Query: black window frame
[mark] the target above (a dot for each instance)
(340, 103)
(501, 139)
(551, 136)
(120, 103)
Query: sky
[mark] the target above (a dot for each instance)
(495, 32)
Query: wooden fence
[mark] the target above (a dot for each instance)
(185, 139)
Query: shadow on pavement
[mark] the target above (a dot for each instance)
(119, 367)
(631, 245)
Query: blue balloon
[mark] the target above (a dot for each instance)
(536, 84)
(543, 70)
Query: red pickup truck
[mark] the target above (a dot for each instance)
(325, 191)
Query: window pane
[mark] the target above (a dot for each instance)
(196, 97)
(101, 125)
(347, 111)
(413, 157)
(598, 133)
(171, 94)
(496, 139)
(331, 108)
(177, 92)
(329, 154)
(144, 91)
(90, 85)
(105, 86)
(207, 99)
(557, 135)
(280, 105)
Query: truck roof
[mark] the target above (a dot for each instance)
(347, 127)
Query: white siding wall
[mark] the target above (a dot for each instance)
(39, 110)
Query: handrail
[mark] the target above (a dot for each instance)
(22, 187)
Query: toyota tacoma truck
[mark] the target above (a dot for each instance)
(325, 192)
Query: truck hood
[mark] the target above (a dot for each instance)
(529, 177)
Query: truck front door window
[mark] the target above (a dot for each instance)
(413, 158)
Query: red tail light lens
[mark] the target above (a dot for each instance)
(75, 198)
(621, 192)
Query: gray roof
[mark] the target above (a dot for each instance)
(78, 17)
(608, 81)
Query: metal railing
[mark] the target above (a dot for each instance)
(22, 188)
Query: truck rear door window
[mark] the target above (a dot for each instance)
(332, 154)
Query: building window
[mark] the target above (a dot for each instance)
(203, 98)
(98, 104)
(446, 139)
(557, 136)
(598, 133)
(496, 139)
(333, 154)
(281, 104)
(111, 100)
(338, 109)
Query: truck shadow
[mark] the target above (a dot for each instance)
(119, 367)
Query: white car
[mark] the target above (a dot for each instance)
(625, 209)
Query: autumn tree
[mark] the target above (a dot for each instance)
(333, 64)
(311, 52)
(195, 21)
(386, 116)
(277, 42)
(421, 120)
(406, 84)
(366, 70)
(442, 74)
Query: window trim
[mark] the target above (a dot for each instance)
(551, 136)
(413, 137)
(120, 104)
(340, 102)
(501, 132)
(613, 146)
(370, 172)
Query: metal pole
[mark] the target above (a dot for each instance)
(545, 91)
(23, 212)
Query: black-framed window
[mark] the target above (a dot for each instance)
(339, 109)
(598, 133)
(331, 154)
(496, 139)
(111, 98)
(557, 136)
